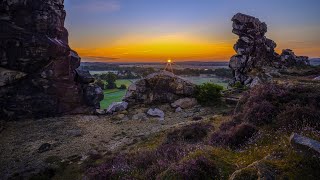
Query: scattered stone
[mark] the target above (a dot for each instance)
(155, 112)
(44, 148)
(305, 144)
(74, 132)
(100, 112)
(162, 87)
(179, 109)
(185, 103)
(117, 106)
(140, 117)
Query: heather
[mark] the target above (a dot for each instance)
(291, 106)
(234, 137)
(150, 163)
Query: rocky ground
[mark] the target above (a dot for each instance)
(73, 138)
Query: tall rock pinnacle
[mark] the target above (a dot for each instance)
(255, 51)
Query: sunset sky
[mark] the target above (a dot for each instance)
(155, 30)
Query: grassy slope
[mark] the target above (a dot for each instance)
(114, 95)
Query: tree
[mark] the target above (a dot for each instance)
(110, 78)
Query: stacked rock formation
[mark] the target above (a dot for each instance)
(255, 51)
(163, 87)
(288, 59)
(37, 66)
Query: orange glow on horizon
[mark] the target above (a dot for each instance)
(152, 49)
(180, 47)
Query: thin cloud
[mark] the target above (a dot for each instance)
(97, 59)
(98, 6)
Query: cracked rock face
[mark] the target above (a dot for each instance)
(255, 51)
(37, 66)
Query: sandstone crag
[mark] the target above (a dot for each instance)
(256, 53)
(37, 66)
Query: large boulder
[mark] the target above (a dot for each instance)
(304, 144)
(37, 66)
(162, 87)
(256, 53)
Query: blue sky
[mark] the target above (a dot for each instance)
(100, 25)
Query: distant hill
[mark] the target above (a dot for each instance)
(315, 61)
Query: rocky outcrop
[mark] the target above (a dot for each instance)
(37, 66)
(256, 53)
(306, 145)
(162, 87)
(288, 59)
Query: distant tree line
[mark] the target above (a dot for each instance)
(108, 81)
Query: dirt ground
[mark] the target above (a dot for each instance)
(76, 136)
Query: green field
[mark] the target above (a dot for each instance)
(116, 95)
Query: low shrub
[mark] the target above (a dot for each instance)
(209, 94)
(234, 137)
(191, 134)
(260, 113)
(297, 117)
(140, 164)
